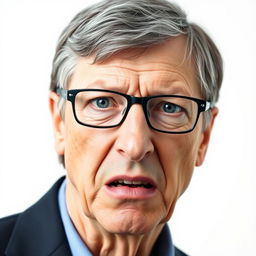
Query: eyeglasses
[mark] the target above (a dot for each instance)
(105, 109)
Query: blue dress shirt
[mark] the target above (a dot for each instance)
(77, 246)
(163, 246)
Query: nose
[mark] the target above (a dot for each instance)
(134, 136)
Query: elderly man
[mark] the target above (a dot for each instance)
(133, 94)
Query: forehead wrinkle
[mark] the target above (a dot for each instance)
(125, 76)
(171, 80)
(134, 78)
(125, 80)
(146, 67)
(184, 69)
(141, 84)
(107, 80)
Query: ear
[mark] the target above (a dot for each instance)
(58, 123)
(206, 138)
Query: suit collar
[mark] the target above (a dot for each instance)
(39, 230)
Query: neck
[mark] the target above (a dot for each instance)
(99, 240)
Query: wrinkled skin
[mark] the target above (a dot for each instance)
(110, 225)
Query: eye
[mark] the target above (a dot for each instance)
(102, 102)
(170, 108)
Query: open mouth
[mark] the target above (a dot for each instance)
(134, 188)
(131, 184)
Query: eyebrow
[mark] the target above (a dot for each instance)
(98, 82)
(102, 84)
(170, 88)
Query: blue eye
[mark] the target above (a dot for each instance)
(170, 108)
(102, 102)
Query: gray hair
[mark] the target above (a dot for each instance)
(111, 26)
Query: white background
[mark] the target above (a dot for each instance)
(216, 216)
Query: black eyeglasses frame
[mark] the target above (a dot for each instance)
(70, 95)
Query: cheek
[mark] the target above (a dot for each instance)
(177, 156)
(85, 150)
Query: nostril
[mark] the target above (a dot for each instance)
(134, 147)
(148, 154)
(121, 152)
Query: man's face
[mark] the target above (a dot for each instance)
(132, 152)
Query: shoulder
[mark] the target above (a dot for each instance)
(178, 252)
(38, 228)
(6, 227)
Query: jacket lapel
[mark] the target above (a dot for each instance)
(39, 230)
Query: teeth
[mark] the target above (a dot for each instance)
(128, 182)
(137, 182)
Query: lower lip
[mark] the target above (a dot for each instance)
(125, 192)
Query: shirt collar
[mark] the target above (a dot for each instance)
(163, 245)
(76, 244)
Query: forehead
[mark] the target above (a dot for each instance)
(155, 69)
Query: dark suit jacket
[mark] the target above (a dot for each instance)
(38, 231)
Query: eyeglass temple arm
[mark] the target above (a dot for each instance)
(63, 93)
(208, 105)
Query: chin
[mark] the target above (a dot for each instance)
(129, 229)
(129, 222)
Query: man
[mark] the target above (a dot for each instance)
(133, 94)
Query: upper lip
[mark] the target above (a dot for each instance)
(132, 180)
